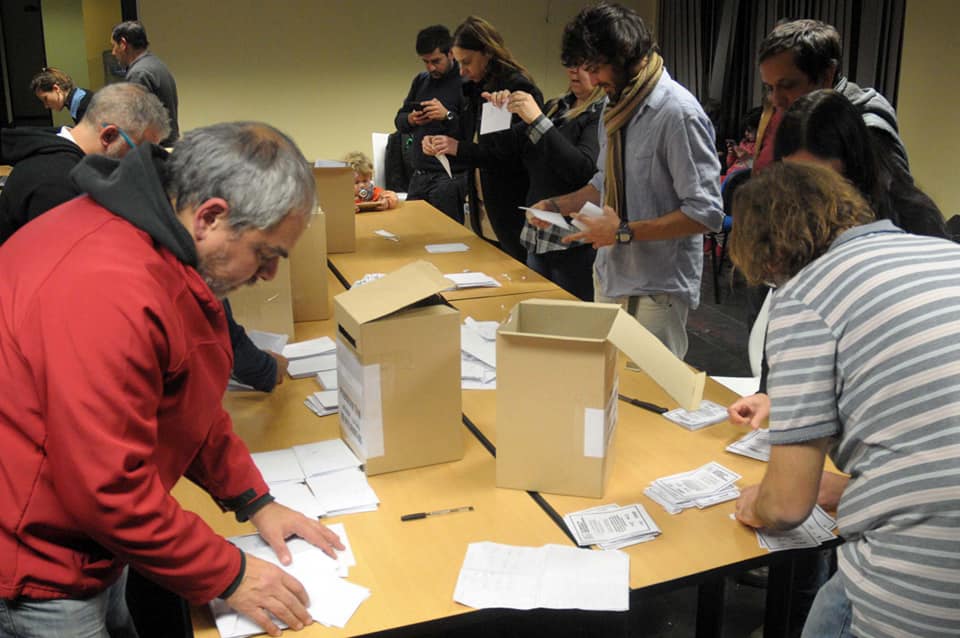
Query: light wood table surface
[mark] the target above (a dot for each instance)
(417, 224)
(410, 567)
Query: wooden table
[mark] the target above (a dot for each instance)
(417, 224)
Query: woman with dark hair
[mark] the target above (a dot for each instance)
(498, 184)
(56, 91)
(824, 127)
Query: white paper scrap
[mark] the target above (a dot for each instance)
(445, 163)
(386, 234)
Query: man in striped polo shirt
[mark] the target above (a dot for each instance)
(864, 364)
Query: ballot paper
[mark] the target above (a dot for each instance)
(472, 280)
(327, 379)
(314, 405)
(590, 210)
(278, 466)
(816, 530)
(493, 118)
(552, 577)
(310, 366)
(550, 217)
(343, 492)
(445, 163)
(478, 354)
(333, 600)
(703, 487)
(386, 234)
(709, 413)
(325, 456)
(269, 341)
(456, 247)
(309, 348)
(755, 444)
(611, 526)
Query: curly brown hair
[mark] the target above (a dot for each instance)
(787, 216)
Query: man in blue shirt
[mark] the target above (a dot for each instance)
(432, 107)
(658, 176)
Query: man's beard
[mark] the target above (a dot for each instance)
(220, 287)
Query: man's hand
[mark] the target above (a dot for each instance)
(434, 110)
(440, 145)
(282, 365)
(277, 522)
(752, 410)
(417, 118)
(543, 204)
(267, 588)
(745, 508)
(600, 231)
(523, 104)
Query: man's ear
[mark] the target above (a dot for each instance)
(829, 77)
(108, 135)
(210, 215)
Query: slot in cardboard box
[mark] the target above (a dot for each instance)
(308, 272)
(266, 305)
(334, 182)
(398, 370)
(557, 378)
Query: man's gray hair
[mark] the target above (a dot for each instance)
(131, 107)
(258, 170)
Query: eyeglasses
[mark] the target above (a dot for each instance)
(122, 133)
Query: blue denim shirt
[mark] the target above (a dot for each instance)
(670, 163)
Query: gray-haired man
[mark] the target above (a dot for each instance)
(116, 355)
(119, 117)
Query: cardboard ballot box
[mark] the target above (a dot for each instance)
(334, 182)
(557, 392)
(266, 305)
(398, 371)
(308, 272)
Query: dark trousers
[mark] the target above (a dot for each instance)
(441, 192)
(571, 269)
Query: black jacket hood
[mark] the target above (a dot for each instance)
(20, 143)
(133, 188)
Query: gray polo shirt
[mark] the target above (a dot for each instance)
(670, 163)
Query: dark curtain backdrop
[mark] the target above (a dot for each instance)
(710, 46)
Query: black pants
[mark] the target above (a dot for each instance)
(440, 191)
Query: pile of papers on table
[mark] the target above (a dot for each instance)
(267, 341)
(708, 413)
(317, 479)
(816, 530)
(552, 576)
(307, 358)
(611, 526)
(478, 354)
(755, 444)
(333, 600)
(463, 280)
(705, 486)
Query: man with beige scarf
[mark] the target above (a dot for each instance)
(658, 176)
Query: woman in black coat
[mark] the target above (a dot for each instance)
(497, 180)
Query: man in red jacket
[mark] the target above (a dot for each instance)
(115, 350)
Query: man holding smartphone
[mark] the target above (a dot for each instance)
(432, 107)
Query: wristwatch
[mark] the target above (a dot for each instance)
(449, 115)
(624, 234)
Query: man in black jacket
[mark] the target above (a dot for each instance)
(120, 116)
(432, 107)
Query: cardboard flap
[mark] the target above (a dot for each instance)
(670, 373)
(396, 290)
(560, 319)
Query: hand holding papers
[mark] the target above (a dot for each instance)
(493, 118)
(590, 210)
(705, 486)
(549, 216)
(552, 576)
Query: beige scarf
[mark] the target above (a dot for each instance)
(616, 117)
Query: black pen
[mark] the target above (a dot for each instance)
(452, 510)
(642, 404)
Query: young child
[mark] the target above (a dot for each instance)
(365, 194)
(741, 155)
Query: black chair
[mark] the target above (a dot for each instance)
(718, 240)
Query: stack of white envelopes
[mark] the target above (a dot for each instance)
(611, 526)
(317, 479)
(333, 600)
(307, 358)
(705, 486)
